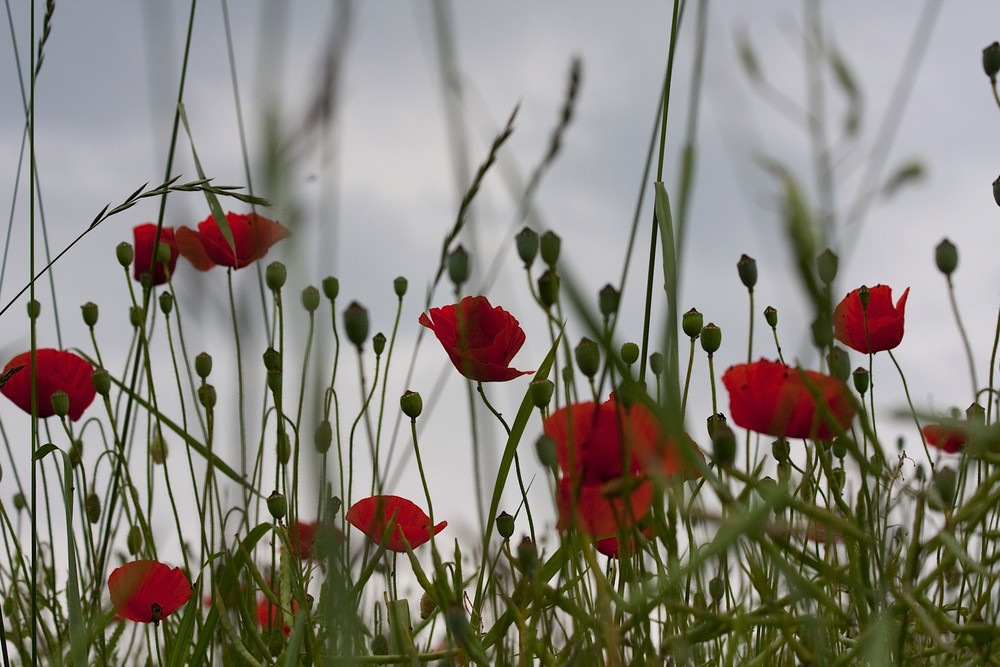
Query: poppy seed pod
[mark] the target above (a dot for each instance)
(527, 246)
(822, 331)
(723, 446)
(550, 244)
(203, 365)
(588, 357)
(747, 268)
(157, 449)
(125, 254)
(331, 288)
(310, 299)
(283, 448)
(166, 302)
(277, 505)
(545, 447)
(548, 288)
(60, 403)
(399, 286)
(102, 382)
(771, 316)
(711, 338)
(630, 353)
(34, 309)
(323, 437)
(946, 483)
(716, 588)
(656, 364)
(19, 502)
(527, 557)
(839, 363)
(378, 343)
(826, 266)
(459, 266)
(427, 606)
(864, 296)
(272, 359)
(90, 312)
(946, 257)
(991, 60)
(715, 422)
(134, 540)
(505, 525)
(781, 450)
(607, 300)
(356, 324)
(411, 403)
(839, 448)
(541, 392)
(207, 396)
(380, 644)
(861, 380)
(92, 506)
(136, 316)
(692, 322)
(275, 275)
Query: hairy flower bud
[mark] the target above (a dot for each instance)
(747, 268)
(203, 365)
(527, 246)
(541, 392)
(356, 324)
(459, 266)
(275, 275)
(134, 540)
(102, 381)
(90, 312)
(588, 357)
(607, 300)
(946, 257)
(331, 288)
(826, 266)
(399, 286)
(550, 245)
(92, 506)
(991, 60)
(166, 302)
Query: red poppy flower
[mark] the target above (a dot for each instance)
(603, 510)
(253, 236)
(885, 321)
(946, 437)
(372, 517)
(269, 615)
(147, 591)
(772, 398)
(480, 339)
(144, 252)
(609, 546)
(57, 371)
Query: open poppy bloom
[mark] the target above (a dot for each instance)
(609, 546)
(602, 510)
(375, 515)
(147, 591)
(269, 615)
(948, 437)
(774, 399)
(57, 371)
(253, 236)
(144, 235)
(480, 340)
(301, 536)
(885, 321)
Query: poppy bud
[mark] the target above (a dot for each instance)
(356, 324)
(975, 415)
(588, 357)
(567, 374)
(277, 505)
(19, 502)
(996, 191)
(427, 606)
(629, 393)
(771, 316)
(334, 505)
(331, 288)
(630, 353)
(75, 452)
(864, 296)
(89, 311)
(378, 343)
(207, 396)
(310, 299)
(272, 359)
(323, 437)
(92, 505)
(134, 540)
(837, 479)
(166, 302)
(716, 588)
(840, 363)
(380, 645)
(692, 322)
(458, 266)
(822, 331)
(991, 60)
(527, 557)
(839, 448)
(946, 257)
(274, 381)
(826, 266)
(136, 316)
(60, 403)
(780, 450)
(716, 422)
(34, 309)
(545, 446)
(541, 392)
(723, 446)
(203, 365)
(527, 246)
(411, 404)
(945, 484)
(550, 245)
(399, 286)
(146, 279)
(505, 525)
(548, 288)
(158, 449)
(283, 448)
(275, 275)
(607, 300)
(711, 338)
(656, 364)
(861, 380)
(102, 381)
(747, 268)
(125, 253)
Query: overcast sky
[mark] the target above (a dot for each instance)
(373, 197)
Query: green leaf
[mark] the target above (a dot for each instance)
(178, 656)
(44, 451)
(213, 201)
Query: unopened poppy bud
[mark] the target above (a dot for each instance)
(780, 450)
(541, 392)
(356, 324)
(378, 343)
(274, 381)
(991, 60)
(550, 244)
(92, 506)
(163, 254)
(331, 288)
(34, 309)
(946, 483)
(840, 363)
(399, 286)
(134, 540)
(158, 449)
(310, 299)
(146, 279)
(90, 312)
(747, 268)
(334, 505)
(861, 380)
(277, 505)
(283, 448)
(166, 302)
(459, 266)
(380, 645)
(711, 338)
(715, 422)
(692, 322)
(826, 266)
(975, 415)
(527, 246)
(323, 437)
(427, 606)
(102, 381)
(629, 393)
(411, 403)
(567, 374)
(275, 275)
(505, 525)
(839, 448)
(125, 254)
(60, 403)
(656, 364)
(724, 446)
(716, 588)
(607, 300)
(545, 446)
(272, 359)
(771, 316)
(207, 396)
(75, 452)
(548, 288)
(588, 357)
(203, 365)
(630, 353)
(837, 479)
(864, 296)
(822, 331)
(136, 316)
(527, 557)
(946, 257)
(19, 502)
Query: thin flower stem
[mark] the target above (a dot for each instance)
(687, 380)
(993, 364)
(965, 339)
(240, 388)
(913, 411)
(420, 469)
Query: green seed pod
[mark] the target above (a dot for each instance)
(505, 525)
(207, 396)
(380, 645)
(378, 343)
(975, 414)
(60, 403)
(550, 244)
(92, 506)
(781, 450)
(136, 316)
(527, 557)
(134, 540)
(166, 302)
(310, 299)
(459, 266)
(723, 446)
(548, 288)
(399, 286)
(991, 60)
(588, 357)
(608, 300)
(90, 312)
(331, 288)
(861, 380)
(158, 449)
(692, 322)
(125, 254)
(826, 266)
(747, 268)
(716, 422)
(527, 246)
(839, 448)
(272, 359)
(822, 331)
(771, 316)
(946, 483)
(541, 392)
(102, 381)
(716, 588)
(19, 502)
(864, 296)
(275, 276)
(277, 505)
(837, 479)
(656, 364)
(711, 338)
(411, 403)
(630, 353)
(323, 437)
(146, 280)
(203, 365)
(545, 446)
(839, 362)
(427, 606)
(356, 324)
(567, 374)
(283, 448)
(34, 309)
(946, 257)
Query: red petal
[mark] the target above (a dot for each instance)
(147, 591)
(57, 371)
(373, 515)
(191, 248)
